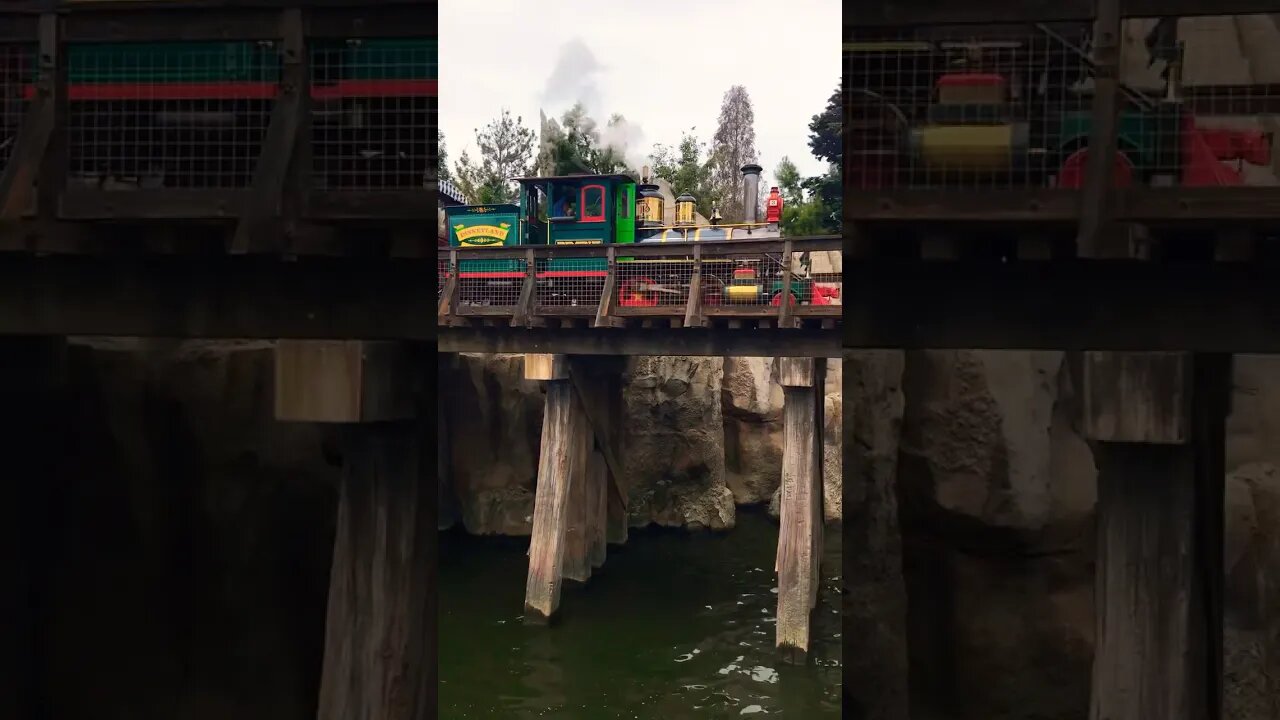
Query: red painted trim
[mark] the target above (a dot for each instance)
(242, 90)
(572, 273)
(375, 88)
(604, 198)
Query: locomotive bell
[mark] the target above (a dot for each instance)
(685, 205)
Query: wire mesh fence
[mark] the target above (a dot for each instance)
(1010, 106)
(372, 107)
(654, 283)
(17, 77)
(958, 108)
(490, 283)
(1201, 101)
(169, 115)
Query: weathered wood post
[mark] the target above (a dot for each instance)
(1157, 422)
(562, 455)
(800, 532)
(576, 507)
(380, 631)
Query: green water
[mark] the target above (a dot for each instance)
(675, 625)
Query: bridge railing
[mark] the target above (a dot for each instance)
(1029, 99)
(685, 284)
(194, 110)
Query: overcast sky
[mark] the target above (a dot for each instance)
(663, 64)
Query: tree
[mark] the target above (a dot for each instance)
(573, 145)
(684, 167)
(790, 182)
(506, 151)
(735, 146)
(442, 158)
(826, 141)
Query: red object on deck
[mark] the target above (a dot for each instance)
(773, 206)
(1072, 175)
(1204, 150)
(970, 80)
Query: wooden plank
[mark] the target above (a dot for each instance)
(597, 508)
(576, 564)
(796, 372)
(785, 319)
(17, 183)
(938, 12)
(1137, 397)
(169, 204)
(598, 394)
(801, 479)
(605, 308)
(543, 366)
(528, 292)
(1096, 236)
(693, 304)
(341, 381)
(381, 206)
(1150, 656)
(259, 226)
(562, 426)
(380, 630)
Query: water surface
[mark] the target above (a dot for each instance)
(675, 625)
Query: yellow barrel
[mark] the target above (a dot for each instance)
(969, 147)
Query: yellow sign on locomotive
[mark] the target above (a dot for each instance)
(482, 235)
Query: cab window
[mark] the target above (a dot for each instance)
(592, 203)
(624, 207)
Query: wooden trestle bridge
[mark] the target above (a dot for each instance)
(574, 338)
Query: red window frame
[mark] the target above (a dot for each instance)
(582, 207)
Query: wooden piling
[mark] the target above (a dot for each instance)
(563, 427)
(577, 559)
(800, 534)
(380, 646)
(1157, 420)
(597, 508)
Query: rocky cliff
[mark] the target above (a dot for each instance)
(702, 435)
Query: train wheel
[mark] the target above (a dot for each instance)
(632, 293)
(777, 299)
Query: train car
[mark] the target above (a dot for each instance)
(616, 210)
(195, 114)
(1012, 106)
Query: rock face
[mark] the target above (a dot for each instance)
(702, 435)
(674, 446)
(190, 527)
(998, 488)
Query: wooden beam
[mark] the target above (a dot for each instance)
(597, 395)
(342, 381)
(380, 632)
(799, 537)
(543, 366)
(1137, 397)
(1096, 236)
(563, 426)
(597, 508)
(259, 226)
(693, 304)
(1159, 554)
(449, 297)
(938, 12)
(17, 183)
(528, 293)
(604, 311)
(576, 564)
(785, 319)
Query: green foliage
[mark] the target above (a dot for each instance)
(735, 146)
(506, 151)
(573, 146)
(686, 170)
(442, 157)
(813, 206)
